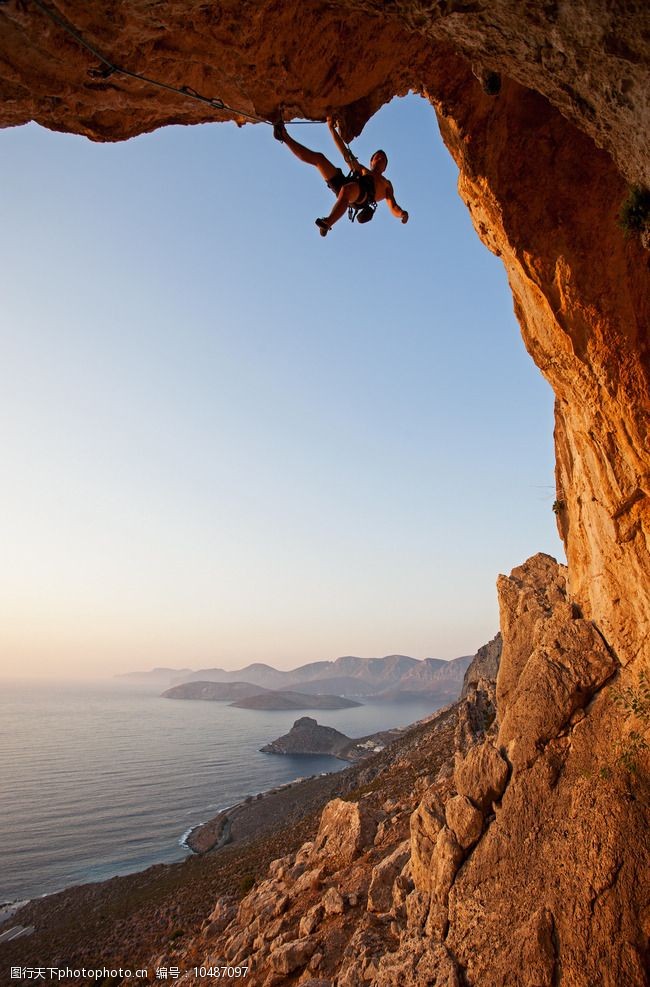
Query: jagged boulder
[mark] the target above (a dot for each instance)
(426, 823)
(291, 956)
(311, 920)
(333, 902)
(221, 915)
(346, 830)
(553, 660)
(464, 820)
(384, 875)
(263, 903)
(481, 775)
(447, 858)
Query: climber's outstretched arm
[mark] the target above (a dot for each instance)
(394, 208)
(347, 154)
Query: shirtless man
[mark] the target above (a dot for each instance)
(366, 186)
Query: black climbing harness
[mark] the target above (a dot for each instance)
(362, 214)
(362, 211)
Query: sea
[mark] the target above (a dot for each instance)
(107, 778)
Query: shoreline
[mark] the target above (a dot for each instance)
(211, 834)
(241, 820)
(217, 832)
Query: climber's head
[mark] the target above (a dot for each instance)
(379, 161)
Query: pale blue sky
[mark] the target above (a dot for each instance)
(226, 439)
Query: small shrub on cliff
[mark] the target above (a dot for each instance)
(634, 216)
(634, 701)
(247, 883)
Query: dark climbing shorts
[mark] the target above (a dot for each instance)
(338, 180)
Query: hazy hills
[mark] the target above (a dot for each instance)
(390, 678)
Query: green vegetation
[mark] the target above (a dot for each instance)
(634, 215)
(247, 883)
(558, 505)
(634, 701)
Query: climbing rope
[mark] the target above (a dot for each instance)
(110, 68)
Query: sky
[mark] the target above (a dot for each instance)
(226, 439)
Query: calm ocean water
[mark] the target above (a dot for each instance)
(105, 779)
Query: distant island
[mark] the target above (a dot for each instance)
(307, 736)
(220, 692)
(244, 695)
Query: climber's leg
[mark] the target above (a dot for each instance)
(315, 158)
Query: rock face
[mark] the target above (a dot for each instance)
(588, 61)
(519, 861)
(483, 669)
(559, 863)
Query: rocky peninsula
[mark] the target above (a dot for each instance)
(307, 736)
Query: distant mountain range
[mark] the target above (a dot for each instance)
(394, 677)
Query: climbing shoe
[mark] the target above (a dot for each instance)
(323, 227)
(279, 131)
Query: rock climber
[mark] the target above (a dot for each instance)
(359, 192)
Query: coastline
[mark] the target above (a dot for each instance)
(256, 813)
